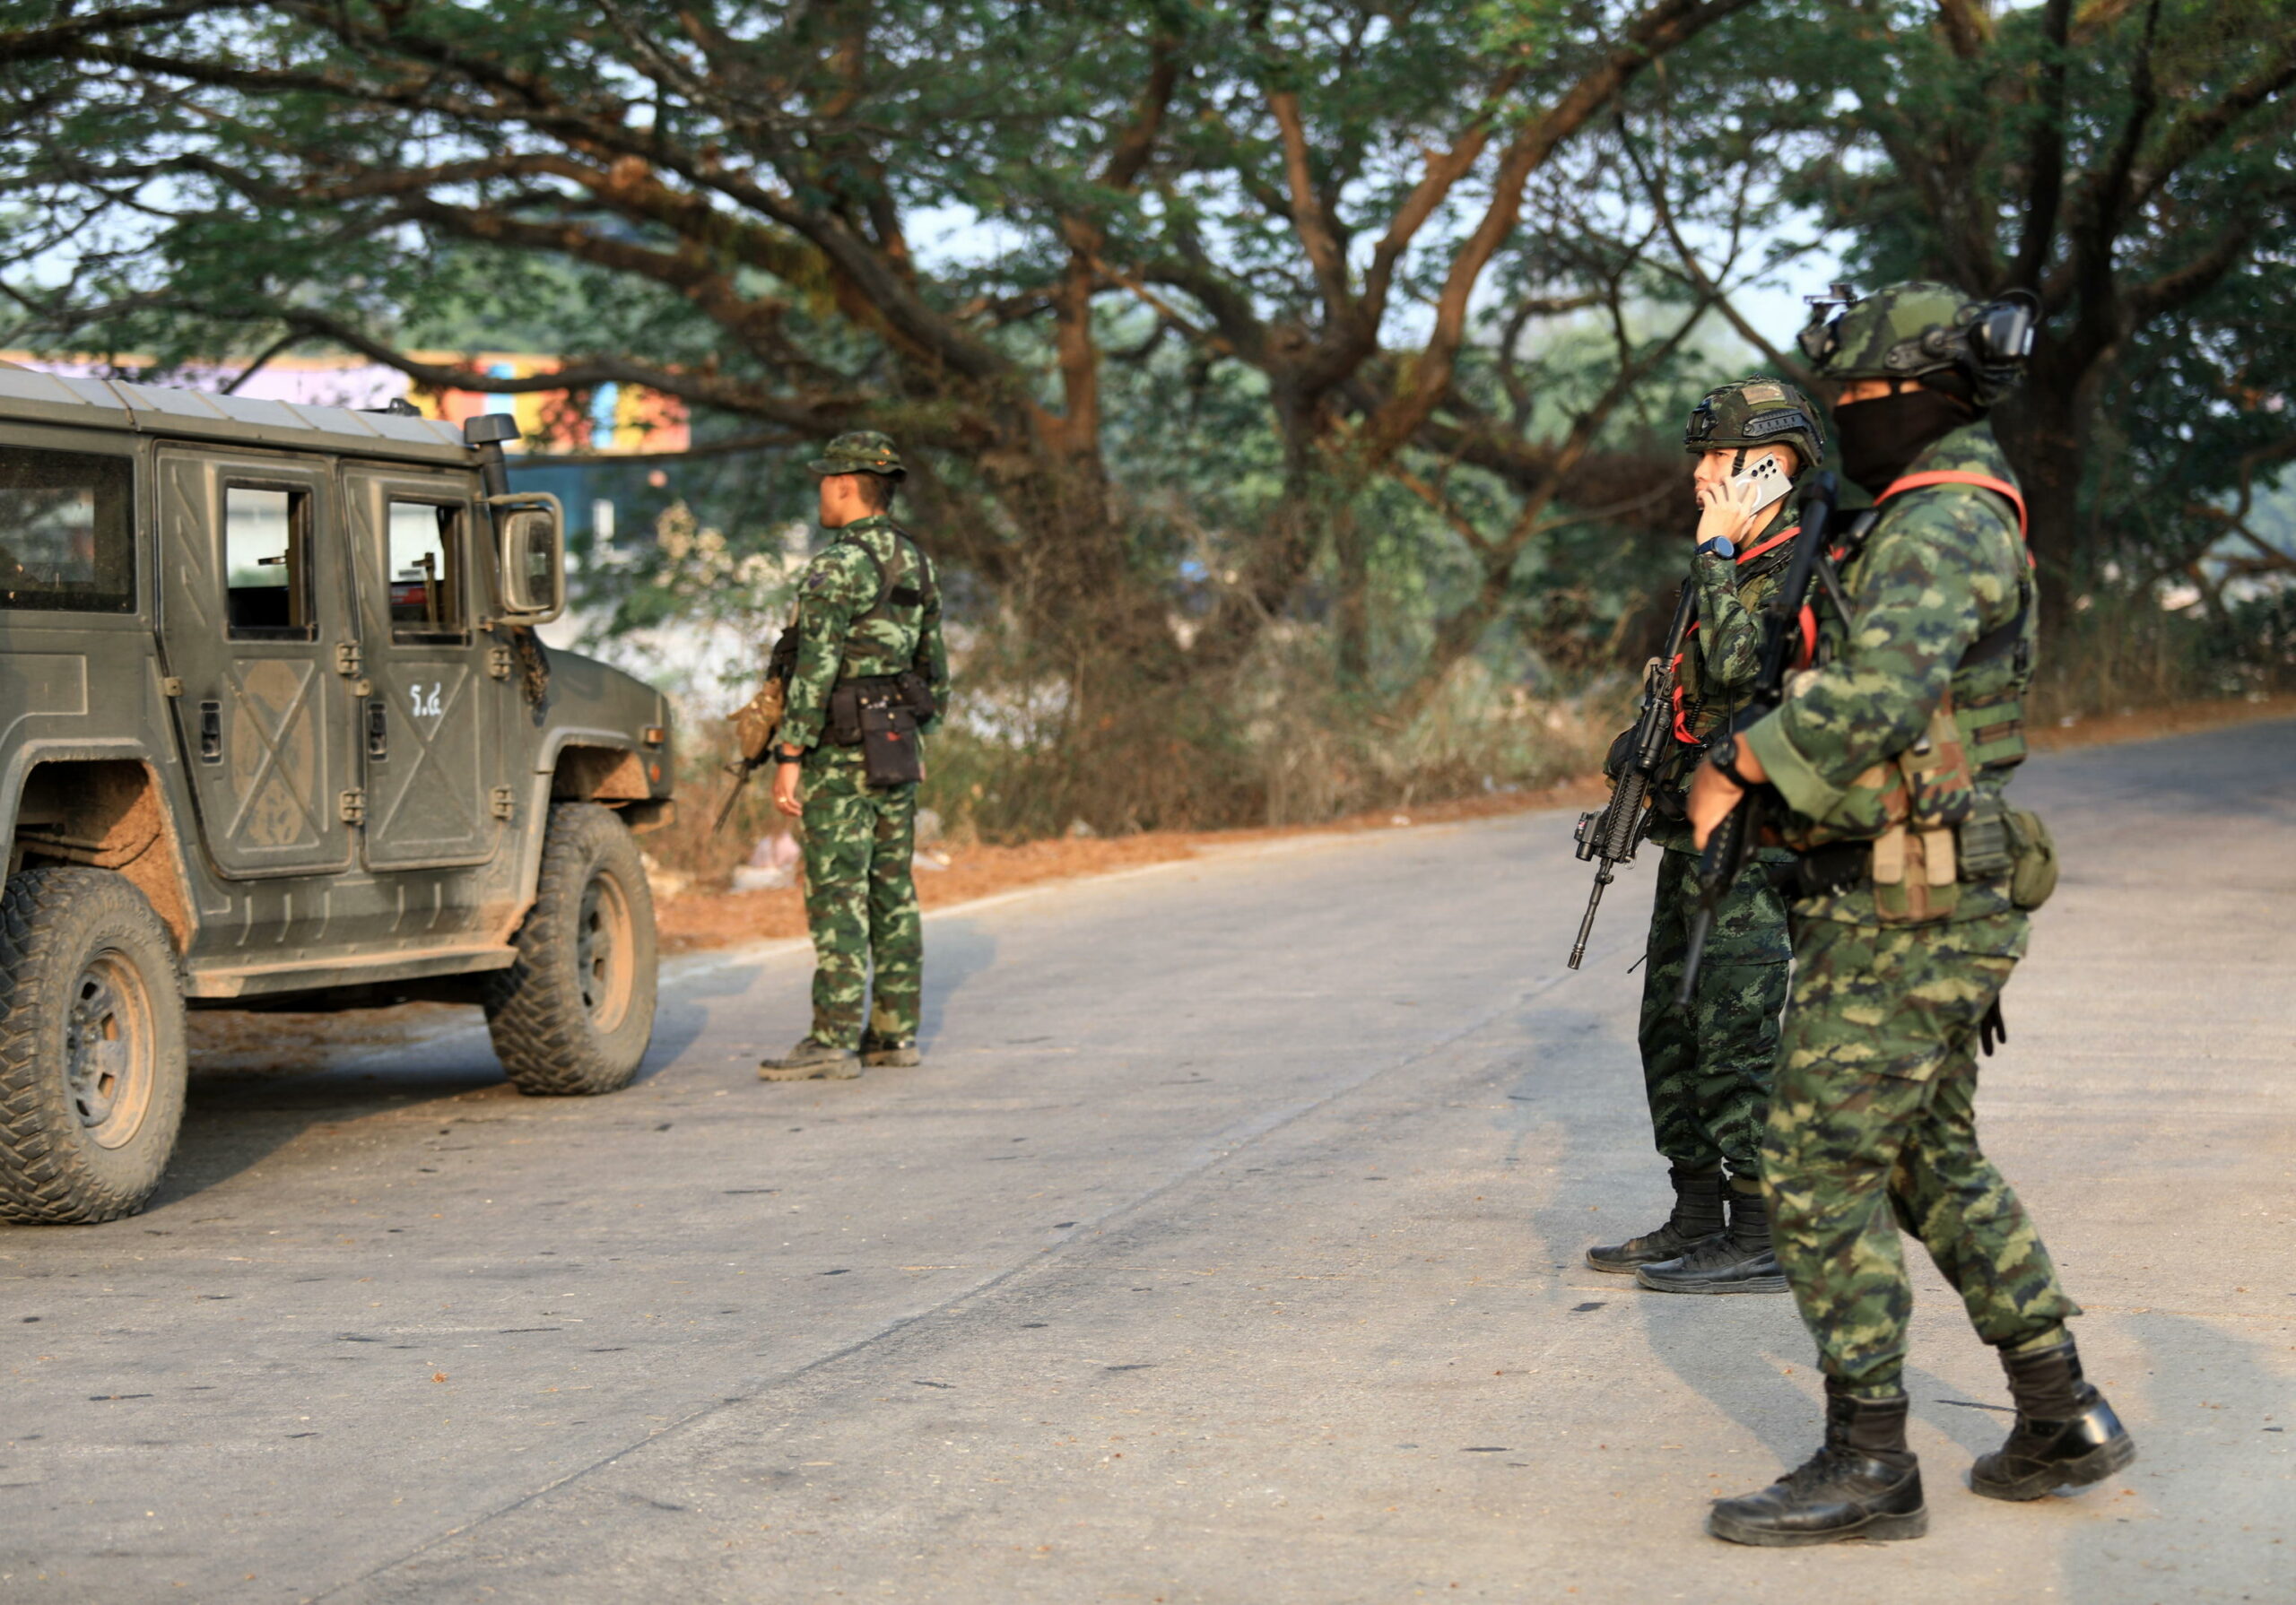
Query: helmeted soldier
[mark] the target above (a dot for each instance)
(1707, 1067)
(1912, 889)
(869, 676)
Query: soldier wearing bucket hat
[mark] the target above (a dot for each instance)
(868, 680)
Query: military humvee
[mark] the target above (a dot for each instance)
(275, 726)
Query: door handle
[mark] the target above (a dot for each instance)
(379, 728)
(211, 733)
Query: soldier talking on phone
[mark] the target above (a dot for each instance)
(868, 682)
(1707, 1067)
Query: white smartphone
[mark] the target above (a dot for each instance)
(1768, 479)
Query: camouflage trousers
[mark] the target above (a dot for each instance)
(1707, 1068)
(1873, 1128)
(861, 902)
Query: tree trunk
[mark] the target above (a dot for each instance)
(2044, 428)
(1351, 548)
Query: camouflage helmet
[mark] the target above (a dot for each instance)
(1754, 412)
(1924, 330)
(860, 451)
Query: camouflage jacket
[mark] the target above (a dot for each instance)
(1941, 567)
(840, 637)
(1720, 657)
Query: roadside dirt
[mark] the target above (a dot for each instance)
(231, 1042)
(697, 919)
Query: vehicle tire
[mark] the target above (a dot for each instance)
(92, 1063)
(572, 1017)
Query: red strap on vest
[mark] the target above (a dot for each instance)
(1947, 476)
(1780, 538)
(1682, 724)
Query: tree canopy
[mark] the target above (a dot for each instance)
(1205, 320)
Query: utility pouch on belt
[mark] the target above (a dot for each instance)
(889, 753)
(1916, 863)
(1910, 808)
(2032, 875)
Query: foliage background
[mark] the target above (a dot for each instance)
(1294, 391)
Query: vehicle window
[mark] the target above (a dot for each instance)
(426, 572)
(66, 531)
(268, 563)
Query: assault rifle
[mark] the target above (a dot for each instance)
(756, 720)
(1734, 840)
(1612, 835)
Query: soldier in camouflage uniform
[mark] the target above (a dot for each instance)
(1707, 1068)
(868, 608)
(1891, 756)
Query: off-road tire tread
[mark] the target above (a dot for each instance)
(42, 1182)
(534, 1009)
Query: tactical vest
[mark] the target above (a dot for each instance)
(1988, 685)
(1914, 826)
(908, 591)
(1696, 719)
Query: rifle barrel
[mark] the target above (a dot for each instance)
(1603, 877)
(733, 795)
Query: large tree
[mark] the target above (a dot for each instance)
(1318, 194)
(2128, 161)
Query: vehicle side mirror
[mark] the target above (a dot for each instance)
(530, 555)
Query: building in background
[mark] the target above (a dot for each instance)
(577, 445)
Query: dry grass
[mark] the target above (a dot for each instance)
(701, 919)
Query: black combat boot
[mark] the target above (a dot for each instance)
(1739, 1260)
(1698, 1215)
(1863, 1483)
(2065, 1437)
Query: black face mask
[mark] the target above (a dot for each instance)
(1879, 438)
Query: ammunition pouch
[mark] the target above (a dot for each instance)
(1916, 872)
(1928, 788)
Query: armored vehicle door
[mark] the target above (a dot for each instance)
(256, 617)
(430, 778)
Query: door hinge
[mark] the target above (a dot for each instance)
(172, 686)
(353, 805)
(348, 659)
(505, 802)
(497, 661)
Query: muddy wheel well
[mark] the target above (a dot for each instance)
(598, 774)
(615, 777)
(109, 814)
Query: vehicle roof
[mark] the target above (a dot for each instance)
(31, 396)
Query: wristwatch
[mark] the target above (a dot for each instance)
(1721, 546)
(780, 757)
(1724, 756)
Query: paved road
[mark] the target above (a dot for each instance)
(1226, 1249)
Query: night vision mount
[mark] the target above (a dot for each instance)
(1986, 345)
